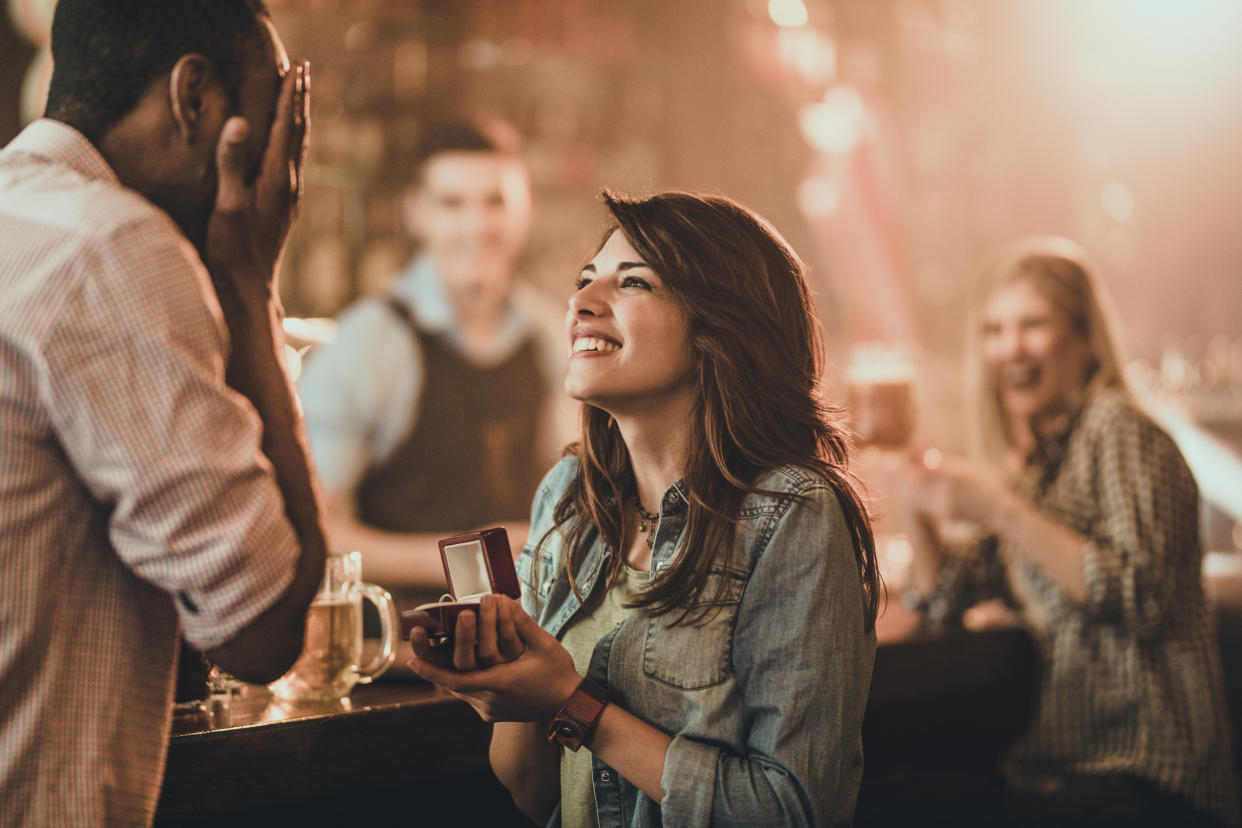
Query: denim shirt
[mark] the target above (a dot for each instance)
(764, 702)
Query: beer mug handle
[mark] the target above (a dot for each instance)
(388, 631)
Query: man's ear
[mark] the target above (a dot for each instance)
(189, 87)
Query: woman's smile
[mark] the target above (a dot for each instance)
(629, 340)
(1036, 358)
(590, 344)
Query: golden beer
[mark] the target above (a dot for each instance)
(327, 669)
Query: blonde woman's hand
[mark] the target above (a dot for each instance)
(990, 614)
(944, 487)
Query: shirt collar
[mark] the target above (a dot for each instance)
(62, 144)
(1042, 466)
(675, 497)
(420, 288)
(1060, 429)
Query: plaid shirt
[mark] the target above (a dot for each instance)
(1131, 677)
(134, 492)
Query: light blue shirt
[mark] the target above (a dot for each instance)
(361, 392)
(765, 702)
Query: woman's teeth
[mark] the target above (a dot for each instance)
(592, 343)
(1020, 376)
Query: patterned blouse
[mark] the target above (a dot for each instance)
(1131, 679)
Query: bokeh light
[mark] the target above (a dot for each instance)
(788, 12)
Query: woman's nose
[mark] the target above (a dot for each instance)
(1011, 343)
(588, 301)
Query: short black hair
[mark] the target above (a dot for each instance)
(107, 53)
(473, 134)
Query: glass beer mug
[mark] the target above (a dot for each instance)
(881, 396)
(329, 665)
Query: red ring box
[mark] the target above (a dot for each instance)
(475, 564)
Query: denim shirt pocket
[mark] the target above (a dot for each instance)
(696, 655)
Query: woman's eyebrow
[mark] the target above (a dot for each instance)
(620, 267)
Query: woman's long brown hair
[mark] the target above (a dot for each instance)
(759, 356)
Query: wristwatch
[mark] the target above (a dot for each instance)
(578, 717)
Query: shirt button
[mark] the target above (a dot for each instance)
(672, 498)
(605, 776)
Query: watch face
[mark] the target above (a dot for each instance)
(579, 715)
(568, 730)
(567, 734)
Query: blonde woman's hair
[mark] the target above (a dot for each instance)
(1063, 273)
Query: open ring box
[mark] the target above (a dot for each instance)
(475, 564)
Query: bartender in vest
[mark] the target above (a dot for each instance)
(430, 412)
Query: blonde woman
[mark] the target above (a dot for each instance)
(1089, 518)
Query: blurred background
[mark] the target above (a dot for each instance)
(893, 142)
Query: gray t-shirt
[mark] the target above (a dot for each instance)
(581, 636)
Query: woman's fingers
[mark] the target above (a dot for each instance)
(424, 667)
(507, 640)
(527, 629)
(420, 644)
(497, 637)
(464, 641)
(487, 650)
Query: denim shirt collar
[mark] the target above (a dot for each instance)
(672, 511)
(672, 520)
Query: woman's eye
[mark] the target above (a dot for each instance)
(634, 281)
(581, 282)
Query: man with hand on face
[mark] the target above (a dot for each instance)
(154, 475)
(427, 415)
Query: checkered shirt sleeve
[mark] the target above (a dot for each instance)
(134, 384)
(1131, 679)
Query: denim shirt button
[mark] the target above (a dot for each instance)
(605, 776)
(671, 499)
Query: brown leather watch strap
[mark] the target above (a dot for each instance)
(579, 715)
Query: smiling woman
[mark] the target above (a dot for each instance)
(1043, 333)
(1088, 520)
(700, 557)
(628, 335)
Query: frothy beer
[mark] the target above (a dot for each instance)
(881, 400)
(883, 414)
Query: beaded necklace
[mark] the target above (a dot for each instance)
(647, 521)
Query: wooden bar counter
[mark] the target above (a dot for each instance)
(401, 752)
(395, 752)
